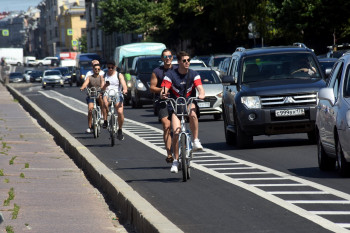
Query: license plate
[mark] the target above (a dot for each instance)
(290, 112)
(204, 104)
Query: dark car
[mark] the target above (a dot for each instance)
(215, 60)
(36, 76)
(327, 64)
(16, 77)
(270, 91)
(66, 75)
(140, 93)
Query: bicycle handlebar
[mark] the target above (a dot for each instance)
(93, 92)
(181, 104)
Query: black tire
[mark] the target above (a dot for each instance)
(183, 157)
(70, 84)
(94, 123)
(242, 139)
(44, 87)
(325, 163)
(343, 166)
(230, 137)
(112, 133)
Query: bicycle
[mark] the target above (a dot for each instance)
(113, 97)
(180, 106)
(96, 111)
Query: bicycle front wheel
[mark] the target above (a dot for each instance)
(94, 123)
(183, 157)
(112, 130)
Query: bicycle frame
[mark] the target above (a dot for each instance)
(96, 111)
(181, 109)
(113, 97)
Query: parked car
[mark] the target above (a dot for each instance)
(213, 93)
(36, 76)
(52, 77)
(271, 90)
(140, 93)
(66, 75)
(16, 77)
(333, 119)
(327, 64)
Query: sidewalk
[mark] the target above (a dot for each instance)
(41, 189)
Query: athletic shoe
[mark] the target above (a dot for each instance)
(105, 124)
(120, 134)
(174, 167)
(88, 130)
(197, 145)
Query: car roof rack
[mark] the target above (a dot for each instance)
(240, 49)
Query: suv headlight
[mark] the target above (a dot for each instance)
(251, 101)
(140, 86)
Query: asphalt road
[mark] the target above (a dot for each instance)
(275, 186)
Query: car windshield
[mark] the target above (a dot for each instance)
(64, 71)
(208, 76)
(197, 64)
(85, 65)
(53, 72)
(16, 75)
(148, 65)
(36, 73)
(279, 66)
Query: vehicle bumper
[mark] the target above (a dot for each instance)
(266, 123)
(52, 82)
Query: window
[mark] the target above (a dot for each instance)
(347, 83)
(335, 83)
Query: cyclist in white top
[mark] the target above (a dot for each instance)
(91, 72)
(115, 80)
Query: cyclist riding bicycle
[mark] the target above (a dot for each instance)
(97, 81)
(115, 80)
(182, 82)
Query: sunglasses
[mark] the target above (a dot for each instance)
(186, 60)
(97, 69)
(110, 67)
(169, 56)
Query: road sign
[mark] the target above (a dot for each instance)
(5, 32)
(74, 43)
(69, 32)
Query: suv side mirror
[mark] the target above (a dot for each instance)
(326, 94)
(229, 79)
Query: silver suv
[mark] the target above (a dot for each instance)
(333, 119)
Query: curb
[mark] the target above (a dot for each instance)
(134, 209)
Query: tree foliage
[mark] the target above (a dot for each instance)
(213, 26)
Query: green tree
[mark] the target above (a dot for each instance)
(83, 44)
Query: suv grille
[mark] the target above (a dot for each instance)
(211, 99)
(289, 100)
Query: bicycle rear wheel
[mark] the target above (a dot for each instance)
(112, 130)
(94, 123)
(183, 157)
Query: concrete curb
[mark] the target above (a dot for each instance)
(134, 209)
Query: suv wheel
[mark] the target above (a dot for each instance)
(242, 139)
(229, 136)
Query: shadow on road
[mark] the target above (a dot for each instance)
(314, 172)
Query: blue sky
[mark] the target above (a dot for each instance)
(17, 5)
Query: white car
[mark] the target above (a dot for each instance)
(26, 75)
(47, 61)
(333, 119)
(53, 78)
(213, 92)
(194, 63)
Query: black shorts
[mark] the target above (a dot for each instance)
(162, 109)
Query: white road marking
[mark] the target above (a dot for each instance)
(200, 165)
(297, 192)
(331, 212)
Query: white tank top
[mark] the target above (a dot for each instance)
(113, 81)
